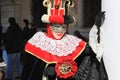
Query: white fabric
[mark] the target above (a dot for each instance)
(98, 48)
(61, 47)
(45, 18)
(2, 64)
(44, 77)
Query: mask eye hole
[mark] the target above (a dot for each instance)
(59, 27)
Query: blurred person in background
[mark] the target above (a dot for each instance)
(3, 58)
(1, 34)
(28, 32)
(13, 46)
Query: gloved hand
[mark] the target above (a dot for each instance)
(50, 71)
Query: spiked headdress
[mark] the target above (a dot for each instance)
(58, 11)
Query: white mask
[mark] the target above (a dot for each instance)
(58, 30)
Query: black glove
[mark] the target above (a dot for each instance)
(50, 71)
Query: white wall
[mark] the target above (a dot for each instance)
(112, 38)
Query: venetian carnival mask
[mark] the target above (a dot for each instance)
(58, 30)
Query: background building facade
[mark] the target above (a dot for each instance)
(84, 12)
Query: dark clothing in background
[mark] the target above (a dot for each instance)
(1, 35)
(14, 39)
(77, 34)
(14, 47)
(28, 33)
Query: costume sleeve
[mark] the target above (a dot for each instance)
(89, 67)
(32, 68)
(87, 52)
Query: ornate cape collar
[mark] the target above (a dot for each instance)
(51, 51)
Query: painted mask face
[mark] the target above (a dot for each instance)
(58, 30)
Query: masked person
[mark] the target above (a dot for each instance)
(57, 55)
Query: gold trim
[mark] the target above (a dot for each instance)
(81, 51)
(39, 57)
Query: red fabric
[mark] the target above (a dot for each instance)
(48, 58)
(56, 2)
(49, 32)
(56, 19)
(57, 12)
(66, 68)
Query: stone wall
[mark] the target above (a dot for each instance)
(10, 8)
(19, 9)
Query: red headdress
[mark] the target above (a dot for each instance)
(57, 11)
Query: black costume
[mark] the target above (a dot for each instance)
(88, 66)
(66, 58)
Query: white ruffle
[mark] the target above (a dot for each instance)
(61, 47)
(98, 48)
